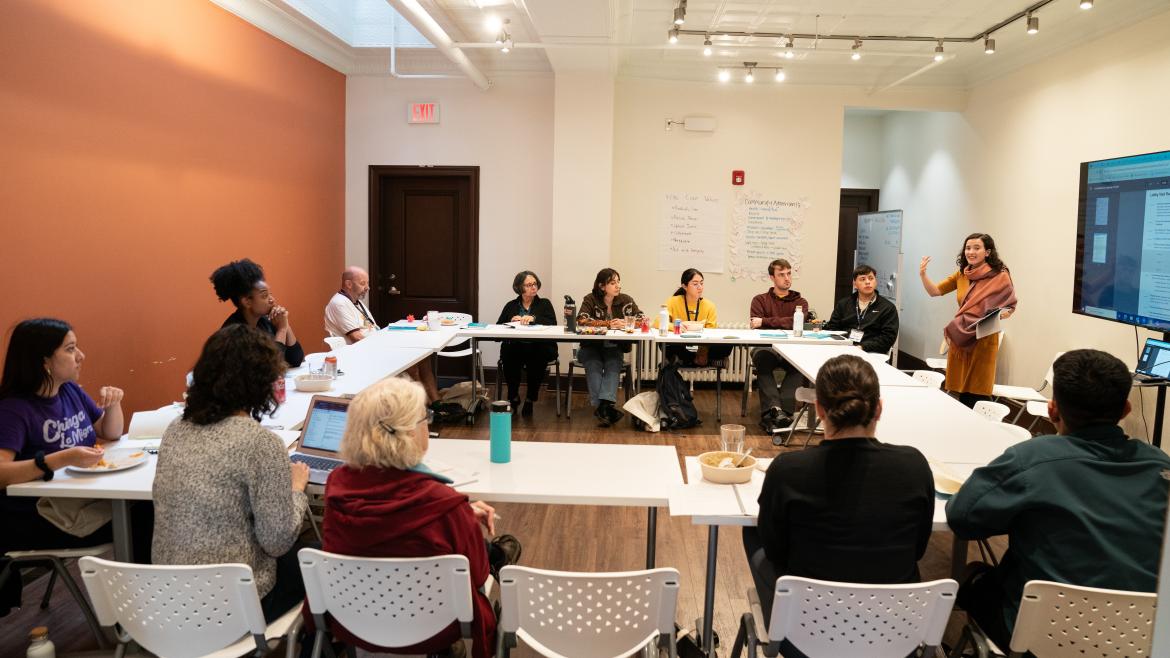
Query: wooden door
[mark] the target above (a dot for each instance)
(424, 241)
(853, 202)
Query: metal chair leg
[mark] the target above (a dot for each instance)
(499, 377)
(569, 393)
(49, 590)
(719, 394)
(557, 382)
(82, 602)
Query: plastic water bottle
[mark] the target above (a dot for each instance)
(663, 320)
(40, 646)
(798, 323)
(501, 432)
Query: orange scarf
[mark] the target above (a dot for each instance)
(989, 290)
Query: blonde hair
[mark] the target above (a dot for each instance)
(379, 430)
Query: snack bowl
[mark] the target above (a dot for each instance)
(693, 327)
(709, 463)
(313, 382)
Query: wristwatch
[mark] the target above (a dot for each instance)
(39, 460)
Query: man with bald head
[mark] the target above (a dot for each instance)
(346, 315)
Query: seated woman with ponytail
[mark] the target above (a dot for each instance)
(851, 509)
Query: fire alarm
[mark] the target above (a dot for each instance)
(737, 177)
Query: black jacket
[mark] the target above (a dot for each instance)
(880, 322)
(541, 311)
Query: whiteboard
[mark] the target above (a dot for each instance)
(879, 245)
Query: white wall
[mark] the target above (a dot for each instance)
(863, 158)
(788, 141)
(506, 131)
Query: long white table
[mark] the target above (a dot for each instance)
(808, 360)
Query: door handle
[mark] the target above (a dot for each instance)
(394, 291)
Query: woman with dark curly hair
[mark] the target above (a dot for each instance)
(981, 284)
(242, 281)
(224, 489)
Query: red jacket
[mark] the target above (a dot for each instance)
(376, 512)
(777, 312)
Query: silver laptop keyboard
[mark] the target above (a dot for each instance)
(315, 463)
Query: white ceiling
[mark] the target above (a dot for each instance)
(628, 37)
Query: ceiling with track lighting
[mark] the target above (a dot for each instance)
(823, 42)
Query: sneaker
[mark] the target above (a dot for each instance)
(615, 414)
(782, 422)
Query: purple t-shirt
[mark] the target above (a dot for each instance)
(29, 425)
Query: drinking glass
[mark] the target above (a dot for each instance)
(731, 438)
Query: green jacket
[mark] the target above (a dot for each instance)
(1083, 509)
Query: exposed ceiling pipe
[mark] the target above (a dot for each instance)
(413, 12)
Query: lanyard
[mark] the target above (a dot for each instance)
(362, 310)
(687, 309)
(860, 313)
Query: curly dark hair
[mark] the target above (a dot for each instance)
(847, 387)
(234, 373)
(31, 343)
(236, 280)
(993, 260)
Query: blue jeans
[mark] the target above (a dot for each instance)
(603, 368)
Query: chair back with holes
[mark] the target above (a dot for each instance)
(588, 615)
(176, 611)
(460, 319)
(993, 411)
(931, 378)
(1063, 620)
(390, 602)
(851, 620)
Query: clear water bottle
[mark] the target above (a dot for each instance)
(40, 646)
(663, 320)
(798, 323)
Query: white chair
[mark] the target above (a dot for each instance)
(185, 611)
(587, 615)
(335, 343)
(993, 411)
(1057, 620)
(852, 620)
(1025, 395)
(808, 396)
(55, 559)
(390, 602)
(937, 363)
(931, 378)
(1038, 411)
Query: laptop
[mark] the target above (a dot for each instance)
(321, 436)
(1154, 363)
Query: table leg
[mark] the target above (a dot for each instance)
(651, 535)
(638, 367)
(708, 630)
(958, 558)
(123, 546)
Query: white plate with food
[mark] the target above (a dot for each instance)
(118, 459)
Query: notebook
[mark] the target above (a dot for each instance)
(1154, 362)
(321, 436)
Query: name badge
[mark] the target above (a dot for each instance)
(856, 335)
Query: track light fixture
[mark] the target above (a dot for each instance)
(788, 52)
(780, 75)
(856, 50)
(672, 35)
(749, 69)
(680, 15)
(724, 75)
(1086, 4)
(707, 46)
(938, 51)
(503, 38)
(749, 77)
(989, 45)
(1033, 23)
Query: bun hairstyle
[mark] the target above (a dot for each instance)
(236, 280)
(686, 277)
(847, 388)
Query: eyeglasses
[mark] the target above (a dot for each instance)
(389, 429)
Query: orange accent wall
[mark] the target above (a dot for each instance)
(143, 144)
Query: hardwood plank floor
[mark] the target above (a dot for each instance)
(572, 538)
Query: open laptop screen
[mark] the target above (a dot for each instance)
(1155, 359)
(325, 425)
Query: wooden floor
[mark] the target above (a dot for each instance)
(575, 538)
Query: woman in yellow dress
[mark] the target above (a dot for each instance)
(982, 284)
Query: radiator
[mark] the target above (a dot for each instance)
(739, 363)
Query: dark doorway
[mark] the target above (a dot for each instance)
(853, 202)
(424, 241)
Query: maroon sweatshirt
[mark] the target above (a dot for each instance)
(385, 512)
(777, 312)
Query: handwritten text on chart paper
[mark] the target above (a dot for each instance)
(691, 232)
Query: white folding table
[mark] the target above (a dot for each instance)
(808, 359)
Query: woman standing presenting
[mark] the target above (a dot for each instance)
(981, 284)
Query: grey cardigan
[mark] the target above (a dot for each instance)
(223, 494)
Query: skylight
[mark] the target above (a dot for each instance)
(362, 23)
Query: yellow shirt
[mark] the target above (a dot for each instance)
(676, 306)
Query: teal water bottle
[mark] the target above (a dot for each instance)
(501, 432)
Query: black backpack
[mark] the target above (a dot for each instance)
(676, 407)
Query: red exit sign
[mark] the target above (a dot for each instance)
(422, 113)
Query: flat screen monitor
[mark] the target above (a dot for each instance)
(1123, 241)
